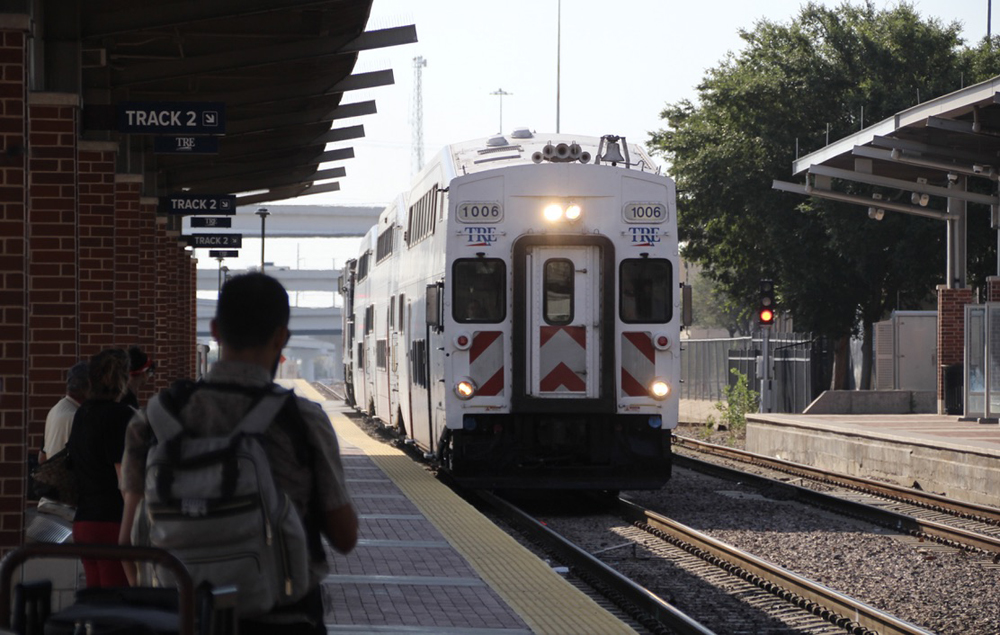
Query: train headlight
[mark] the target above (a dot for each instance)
(659, 389)
(465, 388)
(553, 212)
(573, 212)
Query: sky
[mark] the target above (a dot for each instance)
(620, 64)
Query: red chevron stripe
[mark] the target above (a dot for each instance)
(545, 333)
(494, 386)
(631, 387)
(561, 375)
(578, 333)
(642, 342)
(481, 341)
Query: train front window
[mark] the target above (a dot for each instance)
(559, 289)
(479, 290)
(644, 290)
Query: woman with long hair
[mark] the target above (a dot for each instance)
(96, 444)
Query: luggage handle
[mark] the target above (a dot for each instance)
(185, 587)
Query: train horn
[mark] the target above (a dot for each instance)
(574, 151)
(548, 151)
(562, 152)
(584, 157)
(537, 157)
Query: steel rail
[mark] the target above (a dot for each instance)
(975, 511)
(851, 614)
(951, 536)
(593, 570)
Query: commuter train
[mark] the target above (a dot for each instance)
(516, 315)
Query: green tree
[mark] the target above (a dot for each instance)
(714, 310)
(822, 76)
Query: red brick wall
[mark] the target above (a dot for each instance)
(950, 332)
(147, 287)
(52, 257)
(97, 246)
(128, 189)
(13, 276)
(191, 334)
(993, 289)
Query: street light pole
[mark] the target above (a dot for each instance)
(501, 92)
(263, 213)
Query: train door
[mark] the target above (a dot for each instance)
(392, 366)
(563, 316)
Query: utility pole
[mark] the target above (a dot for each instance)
(220, 274)
(558, 58)
(417, 158)
(501, 92)
(263, 213)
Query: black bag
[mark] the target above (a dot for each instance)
(54, 479)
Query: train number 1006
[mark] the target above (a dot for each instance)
(480, 212)
(644, 213)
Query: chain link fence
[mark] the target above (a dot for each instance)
(802, 367)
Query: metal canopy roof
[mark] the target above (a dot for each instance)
(280, 66)
(929, 149)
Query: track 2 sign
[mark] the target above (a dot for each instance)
(161, 117)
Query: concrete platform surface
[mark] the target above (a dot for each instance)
(428, 562)
(937, 453)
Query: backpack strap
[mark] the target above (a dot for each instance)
(163, 422)
(262, 414)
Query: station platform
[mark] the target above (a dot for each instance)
(936, 453)
(428, 562)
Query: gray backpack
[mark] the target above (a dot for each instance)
(213, 503)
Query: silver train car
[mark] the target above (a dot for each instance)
(516, 314)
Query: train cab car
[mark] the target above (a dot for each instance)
(534, 303)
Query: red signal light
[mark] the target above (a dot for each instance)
(766, 315)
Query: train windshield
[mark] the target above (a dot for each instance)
(479, 292)
(644, 290)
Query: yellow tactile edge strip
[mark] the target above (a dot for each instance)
(543, 599)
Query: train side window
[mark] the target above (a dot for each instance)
(479, 290)
(402, 312)
(644, 290)
(558, 289)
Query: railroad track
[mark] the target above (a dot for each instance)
(852, 615)
(645, 607)
(967, 526)
(811, 607)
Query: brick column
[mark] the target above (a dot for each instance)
(52, 257)
(14, 31)
(950, 332)
(192, 331)
(147, 286)
(162, 302)
(170, 274)
(993, 289)
(97, 246)
(128, 188)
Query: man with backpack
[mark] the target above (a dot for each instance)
(192, 469)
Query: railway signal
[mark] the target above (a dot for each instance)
(765, 313)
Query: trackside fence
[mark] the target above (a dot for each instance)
(802, 367)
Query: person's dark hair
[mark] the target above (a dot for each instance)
(251, 308)
(78, 378)
(109, 374)
(139, 361)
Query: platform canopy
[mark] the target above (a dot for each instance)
(281, 67)
(929, 152)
